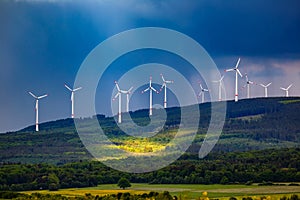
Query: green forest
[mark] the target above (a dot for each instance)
(259, 144)
(263, 166)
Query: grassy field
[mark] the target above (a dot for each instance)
(185, 191)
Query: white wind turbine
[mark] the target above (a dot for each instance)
(72, 97)
(127, 92)
(202, 92)
(220, 87)
(150, 88)
(266, 88)
(37, 109)
(286, 90)
(119, 94)
(248, 83)
(164, 85)
(237, 71)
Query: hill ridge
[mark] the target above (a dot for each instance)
(251, 124)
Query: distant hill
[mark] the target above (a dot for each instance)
(251, 124)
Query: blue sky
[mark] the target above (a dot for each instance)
(43, 43)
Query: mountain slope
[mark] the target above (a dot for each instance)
(250, 124)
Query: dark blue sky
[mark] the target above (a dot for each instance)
(43, 43)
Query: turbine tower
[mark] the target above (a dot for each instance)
(119, 94)
(248, 83)
(237, 72)
(72, 98)
(37, 109)
(202, 92)
(266, 88)
(287, 90)
(164, 85)
(220, 87)
(150, 88)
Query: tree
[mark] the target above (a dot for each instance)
(224, 180)
(53, 182)
(123, 183)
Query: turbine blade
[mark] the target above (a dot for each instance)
(145, 90)
(268, 84)
(246, 77)
(283, 88)
(229, 70)
(68, 87)
(152, 88)
(162, 77)
(221, 78)
(129, 90)
(77, 89)
(163, 85)
(32, 95)
(238, 71)
(117, 85)
(117, 95)
(201, 87)
(237, 64)
(289, 86)
(40, 97)
(263, 85)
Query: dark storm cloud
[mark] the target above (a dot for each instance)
(256, 27)
(43, 42)
(263, 28)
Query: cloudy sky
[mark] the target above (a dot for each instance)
(43, 44)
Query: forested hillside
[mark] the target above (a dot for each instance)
(264, 166)
(251, 124)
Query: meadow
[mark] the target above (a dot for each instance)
(185, 191)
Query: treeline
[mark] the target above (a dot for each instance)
(121, 196)
(281, 165)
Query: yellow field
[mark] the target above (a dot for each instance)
(185, 191)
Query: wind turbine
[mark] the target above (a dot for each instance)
(266, 88)
(164, 85)
(37, 109)
(287, 90)
(119, 94)
(248, 83)
(72, 98)
(220, 87)
(237, 72)
(202, 92)
(150, 88)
